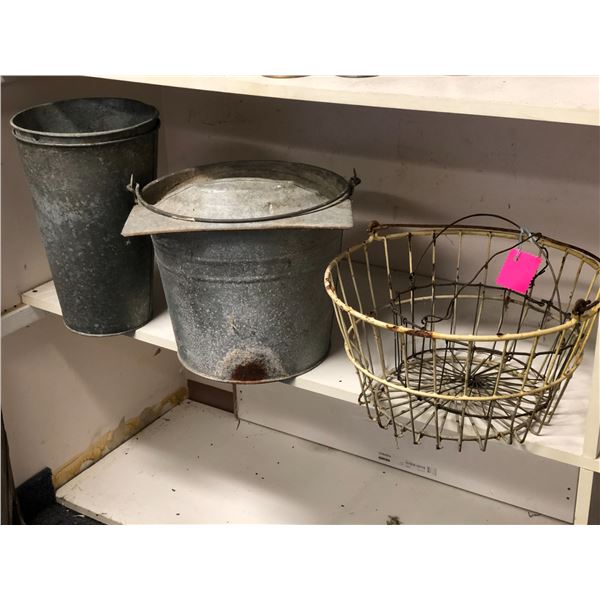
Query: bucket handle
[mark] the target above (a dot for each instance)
(345, 195)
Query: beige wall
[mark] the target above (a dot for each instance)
(415, 167)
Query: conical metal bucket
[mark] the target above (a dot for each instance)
(78, 156)
(242, 248)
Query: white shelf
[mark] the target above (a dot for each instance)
(335, 377)
(559, 99)
(19, 317)
(197, 464)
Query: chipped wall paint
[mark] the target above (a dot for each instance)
(102, 445)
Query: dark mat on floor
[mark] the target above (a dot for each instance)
(38, 506)
(56, 514)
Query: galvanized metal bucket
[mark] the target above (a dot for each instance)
(78, 157)
(241, 248)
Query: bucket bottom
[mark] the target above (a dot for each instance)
(110, 333)
(252, 371)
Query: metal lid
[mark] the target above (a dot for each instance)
(243, 195)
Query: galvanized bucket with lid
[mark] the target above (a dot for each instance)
(241, 248)
(78, 156)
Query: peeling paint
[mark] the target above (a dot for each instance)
(107, 442)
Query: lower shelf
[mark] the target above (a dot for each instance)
(198, 464)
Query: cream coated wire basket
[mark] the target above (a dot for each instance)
(441, 350)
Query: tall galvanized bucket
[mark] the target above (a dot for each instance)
(78, 157)
(241, 248)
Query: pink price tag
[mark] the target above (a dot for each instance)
(518, 270)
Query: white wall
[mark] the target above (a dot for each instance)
(415, 166)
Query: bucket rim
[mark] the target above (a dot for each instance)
(30, 135)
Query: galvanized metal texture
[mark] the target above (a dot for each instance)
(244, 195)
(78, 156)
(248, 306)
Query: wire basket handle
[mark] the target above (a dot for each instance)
(524, 236)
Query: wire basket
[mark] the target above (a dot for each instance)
(441, 350)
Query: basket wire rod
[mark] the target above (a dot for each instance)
(555, 279)
(371, 387)
(555, 347)
(529, 363)
(361, 308)
(361, 377)
(410, 396)
(548, 376)
(551, 408)
(412, 282)
(525, 380)
(456, 280)
(525, 307)
(575, 282)
(378, 335)
(499, 373)
(432, 341)
(485, 279)
(370, 279)
(421, 363)
(402, 351)
(399, 342)
(466, 392)
(360, 349)
(433, 287)
(528, 423)
(436, 410)
(372, 295)
(489, 417)
(553, 363)
(461, 425)
(572, 359)
(591, 287)
(467, 369)
(546, 356)
(476, 431)
(443, 420)
(341, 316)
(450, 344)
(557, 282)
(505, 300)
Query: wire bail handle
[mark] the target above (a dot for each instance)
(346, 194)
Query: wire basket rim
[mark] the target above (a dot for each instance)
(590, 258)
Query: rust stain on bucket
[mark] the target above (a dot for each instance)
(250, 371)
